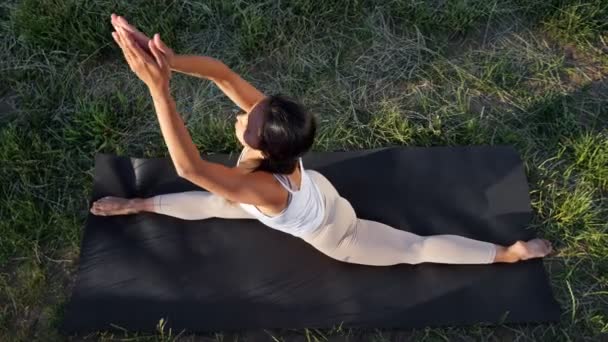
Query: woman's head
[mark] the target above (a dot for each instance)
(280, 129)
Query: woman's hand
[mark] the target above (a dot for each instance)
(141, 39)
(152, 69)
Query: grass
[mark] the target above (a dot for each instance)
(531, 74)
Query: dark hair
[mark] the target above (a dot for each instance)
(288, 132)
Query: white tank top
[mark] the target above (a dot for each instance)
(305, 208)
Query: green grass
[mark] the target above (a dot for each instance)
(530, 74)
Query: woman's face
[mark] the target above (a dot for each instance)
(248, 126)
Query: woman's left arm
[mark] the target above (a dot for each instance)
(154, 71)
(182, 149)
(216, 178)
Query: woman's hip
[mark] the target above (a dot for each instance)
(339, 220)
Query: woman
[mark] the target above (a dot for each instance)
(269, 182)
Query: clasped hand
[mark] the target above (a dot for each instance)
(152, 68)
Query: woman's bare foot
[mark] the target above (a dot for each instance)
(535, 248)
(110, 205)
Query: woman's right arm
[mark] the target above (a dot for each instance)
(241, 92)
(237, 89)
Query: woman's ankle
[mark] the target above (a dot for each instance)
(508, 254)
(142, 204)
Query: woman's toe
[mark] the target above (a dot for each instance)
(548, 246)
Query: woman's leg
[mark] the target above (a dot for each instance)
(345, 237)
(348, 238)
(377, 243)
(188, 205)
(374, 243)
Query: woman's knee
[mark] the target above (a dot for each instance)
(415, 251)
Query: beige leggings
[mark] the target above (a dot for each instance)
(342, 235)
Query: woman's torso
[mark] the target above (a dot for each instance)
(294, 179)
(304, 207)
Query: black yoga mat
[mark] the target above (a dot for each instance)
(231, 275)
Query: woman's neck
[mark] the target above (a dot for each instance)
(252, 153)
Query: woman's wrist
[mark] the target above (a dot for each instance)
(198, 66)
(172, 62)
(159, 91)
(177, 63)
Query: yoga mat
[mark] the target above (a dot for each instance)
(233, 275)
